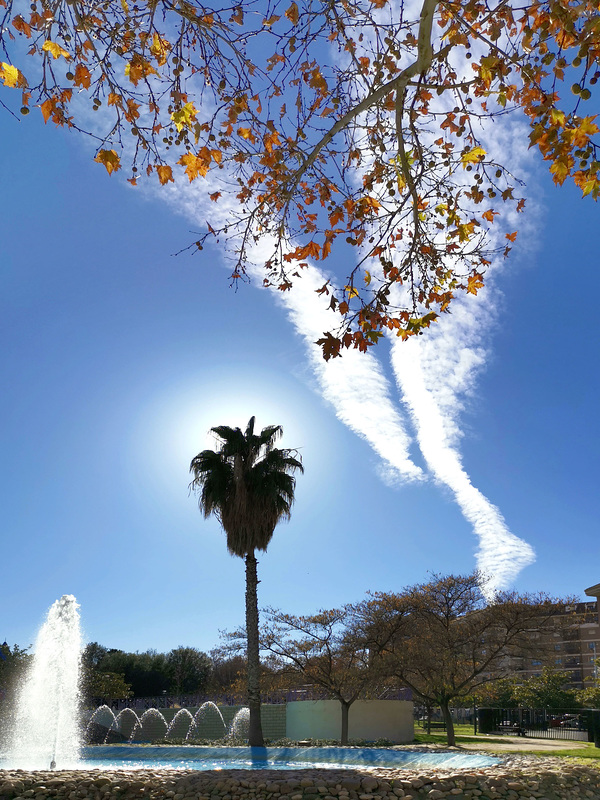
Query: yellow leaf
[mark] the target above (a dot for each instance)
(11, 76)
(474, 156)
(184, 116)
(352, 292)
(110, 159)
(367, 277)
(160, 49)
(56, 50)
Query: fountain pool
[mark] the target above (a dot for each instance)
(46, 731)
(277, 758)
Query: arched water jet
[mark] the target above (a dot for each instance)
(240, 725)
(126, 723)
(152, 727)
(103, 718)
(206, 709)
(180, 725)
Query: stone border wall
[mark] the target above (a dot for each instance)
(541, 779)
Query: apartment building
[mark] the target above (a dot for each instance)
(570, 644)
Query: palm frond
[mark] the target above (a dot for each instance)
(247, 483)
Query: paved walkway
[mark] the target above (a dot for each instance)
(520, 743)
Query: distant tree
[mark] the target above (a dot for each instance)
(445, 641)
(547, 690)
(13, 664)
(500, 694)
(323, 650)
(189, 670)
(228, 673)
(93, 655)
(589, 697)
(247, 484)
(104, 687)
(146, 673)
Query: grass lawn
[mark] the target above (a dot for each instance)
(464, 733)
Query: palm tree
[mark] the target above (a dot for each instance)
(248, 486)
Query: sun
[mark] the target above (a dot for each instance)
(175, 424)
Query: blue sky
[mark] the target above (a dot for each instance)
(117, 357)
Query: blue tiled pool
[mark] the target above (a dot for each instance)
(279, 758)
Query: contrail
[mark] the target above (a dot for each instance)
(501, 555)
(356, 385)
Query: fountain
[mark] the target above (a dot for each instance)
(45, 732)
(104, 726)
(45, 729)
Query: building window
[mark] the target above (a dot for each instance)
(536, 663)
(557, 647)
(592, 645)
(558, 660)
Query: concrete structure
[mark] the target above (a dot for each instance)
(368, 719)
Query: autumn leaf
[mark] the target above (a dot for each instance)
(489, 215)
(56, 50)
(352, 292)
(292, 14)
(237, 16)
(474, 283)
(246, 133)
(48, 107)
(82, 76)
(511, 236)
(473, 156)
(160, 49)
(583, 131)
(185, 116)
(110, 159)
(165, 174)
(20, 25)
(138, 68)
(11, 76)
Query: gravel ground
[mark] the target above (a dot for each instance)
(516, 778)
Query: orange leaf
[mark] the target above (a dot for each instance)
(165, 174)
(292, 14)
(489, 215)
(511, 236)
(82, 76)
(22, 26)
(110, 159)
(47, 108)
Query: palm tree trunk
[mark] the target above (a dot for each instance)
(255, 735)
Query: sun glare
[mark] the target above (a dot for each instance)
(176, 424)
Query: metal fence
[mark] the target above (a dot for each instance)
(567, 723)
(268, 698)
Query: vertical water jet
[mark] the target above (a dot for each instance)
(45, 731)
